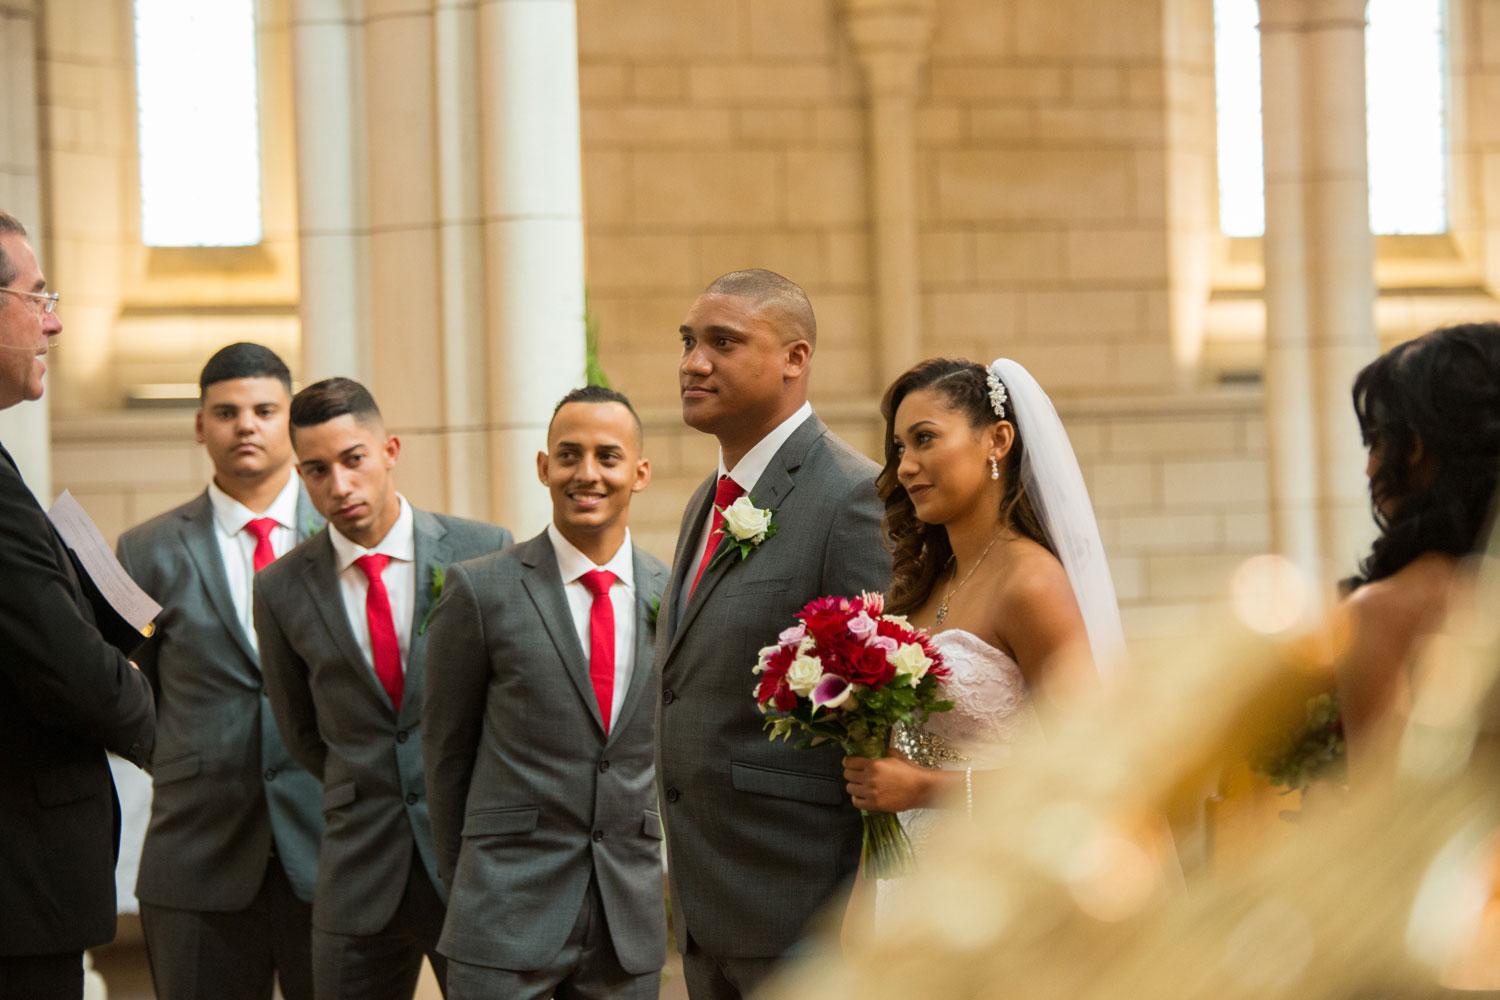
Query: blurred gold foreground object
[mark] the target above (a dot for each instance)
(1061, 885)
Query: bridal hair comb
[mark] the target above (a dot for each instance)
(998, 395)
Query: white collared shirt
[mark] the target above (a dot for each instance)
(747, 472)
(400, 579)
(572, 564)
(237, 543)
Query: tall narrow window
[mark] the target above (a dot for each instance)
(1242, 195)
(1404, 61)
(199, 122)
(1404, 110)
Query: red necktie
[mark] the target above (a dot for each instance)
(601, 640)
(384, 649)
(726, 493)
(261, 529)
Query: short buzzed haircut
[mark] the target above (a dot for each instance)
(599, 394)
(9, 226)
(333, 398)
(244, 360)
(769, 290)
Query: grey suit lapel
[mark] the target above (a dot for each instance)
(543, 582)
(771, 490)
(197, 532)
(687, 552)
(321, 579)
(645, 643)
(430, 552)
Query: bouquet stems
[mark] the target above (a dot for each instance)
(887, 849)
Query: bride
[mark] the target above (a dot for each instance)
(997, 554)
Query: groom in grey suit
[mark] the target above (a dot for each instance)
(760, 835)
(342, 626)
(537, 736)
(231, 853)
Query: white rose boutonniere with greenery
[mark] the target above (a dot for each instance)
(746, 526)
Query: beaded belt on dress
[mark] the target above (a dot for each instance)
(923, 748)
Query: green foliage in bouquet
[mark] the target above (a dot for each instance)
(1315, 752)
(864, 727)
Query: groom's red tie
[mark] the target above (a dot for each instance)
(726, 493)
(384, 649)
(601, 640)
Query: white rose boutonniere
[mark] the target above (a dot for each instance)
(746, 526)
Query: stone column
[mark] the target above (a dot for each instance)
(24, 428)
(533, 237)
(333, 240)
(1341, 270)
(1291, 441)
(890, 38)
(1320, 283)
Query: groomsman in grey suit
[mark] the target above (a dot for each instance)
(342, 626)
(227, 870)
(537, 732)
(760, 835)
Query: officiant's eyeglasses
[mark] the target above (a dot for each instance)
(48, 299)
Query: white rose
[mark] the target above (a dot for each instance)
(911, 661)
(745, 522)
(803, 675)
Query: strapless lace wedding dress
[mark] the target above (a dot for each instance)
(992, 713)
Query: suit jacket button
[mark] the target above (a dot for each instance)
(411, 798)
(270, 774)
(401, 736)
(673, 795)
(603, 766)
(667, 697)
(598, 836)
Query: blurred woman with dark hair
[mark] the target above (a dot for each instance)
(1429, 412)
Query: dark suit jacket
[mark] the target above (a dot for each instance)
(66, 696)
(760, 835)
(225, 787)
(338, 722)
(528, 796)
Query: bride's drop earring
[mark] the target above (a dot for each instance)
(994, 468)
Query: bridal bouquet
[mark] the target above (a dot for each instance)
(846, 673)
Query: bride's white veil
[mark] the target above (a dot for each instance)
(1054, 484)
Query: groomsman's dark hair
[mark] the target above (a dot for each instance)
(599, 394)
(332, 398)
(244, 360)
(767, 289)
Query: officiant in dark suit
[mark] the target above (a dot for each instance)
(760, 835)
(343, 642)
(537, 736)
(231, 852)
(66, 696)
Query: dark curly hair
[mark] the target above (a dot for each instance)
(1439, 392)
(920, 551)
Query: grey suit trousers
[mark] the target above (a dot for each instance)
(234, 955)
(384, 965)
(587, 968)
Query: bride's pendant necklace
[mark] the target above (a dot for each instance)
(942, 611)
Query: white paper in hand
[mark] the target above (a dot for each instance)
(82, 536)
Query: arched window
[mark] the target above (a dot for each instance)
(198, 114)
(1405, 114)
